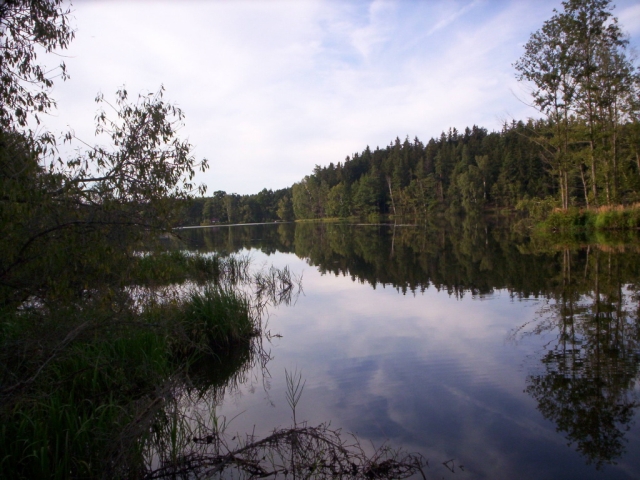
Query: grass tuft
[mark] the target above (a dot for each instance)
(221, 314)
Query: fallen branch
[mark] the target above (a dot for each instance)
(309, 452)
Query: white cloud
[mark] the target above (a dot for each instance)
(630, 19)
(451, 17)
(271, 89)
(377, 30)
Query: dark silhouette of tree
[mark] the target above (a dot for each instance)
(588, 379)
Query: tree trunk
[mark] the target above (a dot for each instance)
(593, 176)
(584, 184)
(562, 195)
(393, 203)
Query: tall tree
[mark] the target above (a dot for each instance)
(582, 81)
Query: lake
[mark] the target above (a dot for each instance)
(512, 357)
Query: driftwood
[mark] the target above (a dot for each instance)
(297, 452)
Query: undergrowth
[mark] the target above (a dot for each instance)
(83, 383)
(606, 218)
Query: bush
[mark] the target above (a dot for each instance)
(564, 220)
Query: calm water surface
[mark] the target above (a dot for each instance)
(518, 359)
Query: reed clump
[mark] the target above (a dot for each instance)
(179, 266)
(82, 383)
(221, 315)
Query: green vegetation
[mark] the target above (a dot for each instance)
(83, 382)
(98, 325)
(221, 315)
(583, 153)
(586, 86)
(574, 220)
(231, 208)
(108, 339)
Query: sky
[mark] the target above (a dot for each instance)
(272, 88)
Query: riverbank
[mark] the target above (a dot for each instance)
(618, 217)
(85, 383)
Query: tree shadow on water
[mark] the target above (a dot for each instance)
(587, 383)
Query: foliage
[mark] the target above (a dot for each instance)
(285, 209)
(150, 162)
(602, 218)
(221, 315)
(25, 27)
(585, 84)
(77, 219)
(513, 168)
(224, 208)
(61, 220)
(412, 179)
(537, 209)
(85, 386)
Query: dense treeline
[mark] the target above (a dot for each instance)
(223, 207)
(583, 152)
(460, 171)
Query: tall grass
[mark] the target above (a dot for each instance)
(599, 219)
(82, 385)
(64, 423)
(221, 314)
(178, 266)
(88, 387)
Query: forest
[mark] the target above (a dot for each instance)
(583, 151)
(106, 320)
(106, 335)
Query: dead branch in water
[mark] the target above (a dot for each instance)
(300, 452)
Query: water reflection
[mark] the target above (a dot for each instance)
(589, 374)
(437, 375)
(461, 257)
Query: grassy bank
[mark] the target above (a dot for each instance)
(83, 383)
(594, 219)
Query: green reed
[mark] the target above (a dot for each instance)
(82, 384)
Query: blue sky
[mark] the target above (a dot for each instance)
(272, 88)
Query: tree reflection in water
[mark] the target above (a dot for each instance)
(586, 386)
(586, 380)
